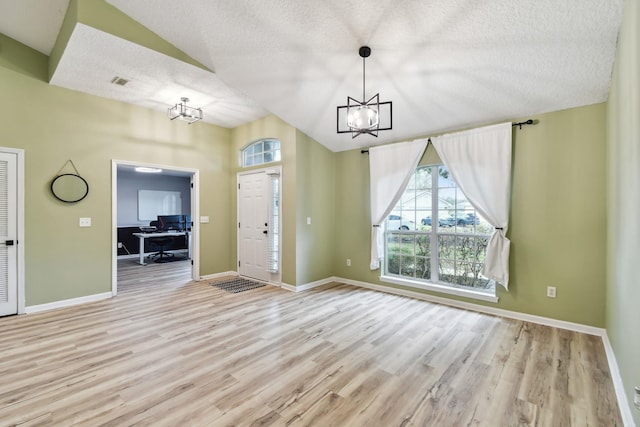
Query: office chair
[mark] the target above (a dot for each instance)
(160, 244)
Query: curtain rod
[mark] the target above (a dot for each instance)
(520, 124)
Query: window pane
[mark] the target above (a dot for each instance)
(423, 268)
(446, 271)
(393, 264)
(464, 274)
(407, 246)
(407, 266)
(446, 247)
(265, 151)
(423, 245)
(393, 243)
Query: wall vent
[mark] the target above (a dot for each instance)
(119, 81)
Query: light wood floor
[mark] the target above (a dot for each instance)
(168, 352)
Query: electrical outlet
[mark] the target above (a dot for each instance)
(348, 262)
(551, 291)
(85, 222)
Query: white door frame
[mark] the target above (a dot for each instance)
(20, 224)
(276, 278)
(194, 238)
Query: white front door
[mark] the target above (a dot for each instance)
(253, 215)
(8, 234)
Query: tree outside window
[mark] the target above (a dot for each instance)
(445, 220)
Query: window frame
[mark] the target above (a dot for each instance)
(249, 150)
(433, 283)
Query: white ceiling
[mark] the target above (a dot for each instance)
(445, 65)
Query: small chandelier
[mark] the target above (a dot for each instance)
(364, 116)
(183, 112)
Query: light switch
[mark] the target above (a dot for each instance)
(204, 220)
(308, 220)
(85, 222)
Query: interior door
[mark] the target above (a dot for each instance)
(253, 225)
(8, 234)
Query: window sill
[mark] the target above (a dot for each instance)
(467, 293)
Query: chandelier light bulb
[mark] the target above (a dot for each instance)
(362, 118)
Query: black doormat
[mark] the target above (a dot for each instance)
(237, 284)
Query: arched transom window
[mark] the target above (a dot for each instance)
(260, 152)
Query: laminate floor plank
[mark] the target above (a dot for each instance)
(168, 351)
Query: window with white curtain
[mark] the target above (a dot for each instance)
(440, 238)
(261, 152)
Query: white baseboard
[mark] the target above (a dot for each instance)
(623, 402)
(288, 287)
(308, 286)
(577, 327)
(219, 275)
(67, 303)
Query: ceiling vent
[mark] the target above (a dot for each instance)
(119, 81)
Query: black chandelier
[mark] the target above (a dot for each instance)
(360, 117)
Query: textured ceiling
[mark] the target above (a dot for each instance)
(93, 58)
(445, 65)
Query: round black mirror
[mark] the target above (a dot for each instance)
(69, 188)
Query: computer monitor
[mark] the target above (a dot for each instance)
(171, 222)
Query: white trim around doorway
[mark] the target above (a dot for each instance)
(20, 224)
(195, 216)
(275, 278)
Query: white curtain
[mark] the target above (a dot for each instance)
(390, 168)
(480, 162)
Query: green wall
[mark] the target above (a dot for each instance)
(22, 59)
(623, 288)
(315, 180)
(558, 218)
(271, 127)
(54, 125)
(307, 191)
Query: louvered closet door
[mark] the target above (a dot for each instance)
(8, 233)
